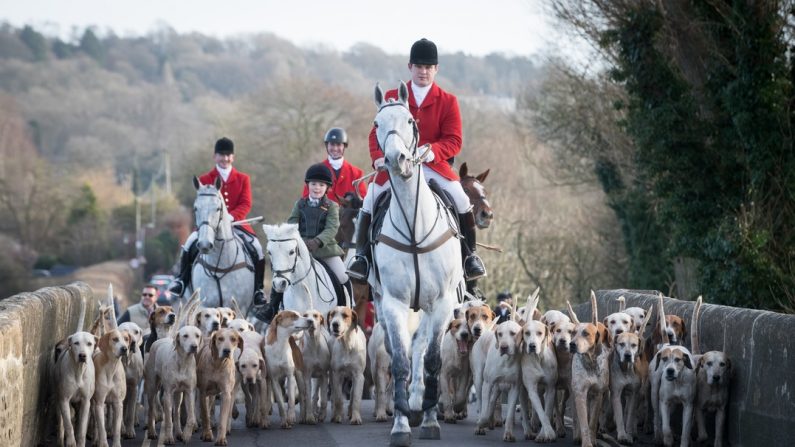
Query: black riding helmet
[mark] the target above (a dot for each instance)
(336, 135)
(318, 173)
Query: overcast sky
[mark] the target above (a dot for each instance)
(513, 27)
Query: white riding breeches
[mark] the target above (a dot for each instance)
(245, 236)
(453, 187)
(338, 267)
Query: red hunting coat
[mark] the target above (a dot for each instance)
(236, 192)
(343, 183)
(439, 122)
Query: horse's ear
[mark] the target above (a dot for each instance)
(196, 183)
(379, 95)
(403, 93)
(462, 171)
(482, 176)
(218, 181)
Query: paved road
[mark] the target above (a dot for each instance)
(369, 434)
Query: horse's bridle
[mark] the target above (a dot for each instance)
(415, 130)
(291, 270)
(207, 222)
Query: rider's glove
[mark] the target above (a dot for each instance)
(378, 163)
(312, 244)
(429, 156)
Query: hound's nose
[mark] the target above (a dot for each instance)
(216, 326)
(81, 357)
(335, 326)
(503, 349)
(477, 332)
(226, 352)
(716, 378)
(464, 336)
(627, 357)
(619, 331)
(170, 318)
(531, 347)
(572, 347)
(124, 350)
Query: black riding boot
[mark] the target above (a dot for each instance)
(268, 311)
(259, 276)
(473, 265)
(186, 259)
(359, 267)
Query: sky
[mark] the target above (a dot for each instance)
(511, 27)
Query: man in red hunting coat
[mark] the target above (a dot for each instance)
(438, 118)
(236, 191)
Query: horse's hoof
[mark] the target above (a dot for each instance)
(402, 439)
(415, 418)
(430, 433)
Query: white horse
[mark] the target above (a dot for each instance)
(418, 266)
(303, 280)
(221, 269)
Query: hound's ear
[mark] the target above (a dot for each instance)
(355, 318)
(196, 183)
(657, 361)
(462, 171)
(176, 340)
(214, 349)
(482, 176)
(329, 316)
(240, 343)
(450, 325)
(251, 327)
(728, 366)
(598, 336)
(700, 363)
(218, 183)
(262, 365)
(152, 319)
(198, 319)
(688, 362)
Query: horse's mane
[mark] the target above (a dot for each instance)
(283, 231)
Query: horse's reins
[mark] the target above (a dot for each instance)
(413, 246)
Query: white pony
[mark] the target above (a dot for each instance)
(417, 259)
(220, 269)
(303, 280)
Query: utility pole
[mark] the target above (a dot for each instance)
(168, 173)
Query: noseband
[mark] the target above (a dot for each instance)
(207, 222)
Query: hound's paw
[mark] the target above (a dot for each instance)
(356, 420)
(286, 425)
(450, 419)
(546, 435)
(382, 417)
(625, 438)
(221, 441)
(129, 434)
(151, 434)
(508, 437)
(481, 431)
(337, 419)
(207, 436)
(169, 440)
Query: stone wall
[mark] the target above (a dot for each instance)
(758, 343)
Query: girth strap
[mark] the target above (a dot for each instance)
(413, 248)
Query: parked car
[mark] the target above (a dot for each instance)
(162, 282)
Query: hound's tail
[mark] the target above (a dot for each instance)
(694, 328)
(661, 322)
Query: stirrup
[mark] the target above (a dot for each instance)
(177, 287)
(259, 297)
(474, 268)
(358, 268)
